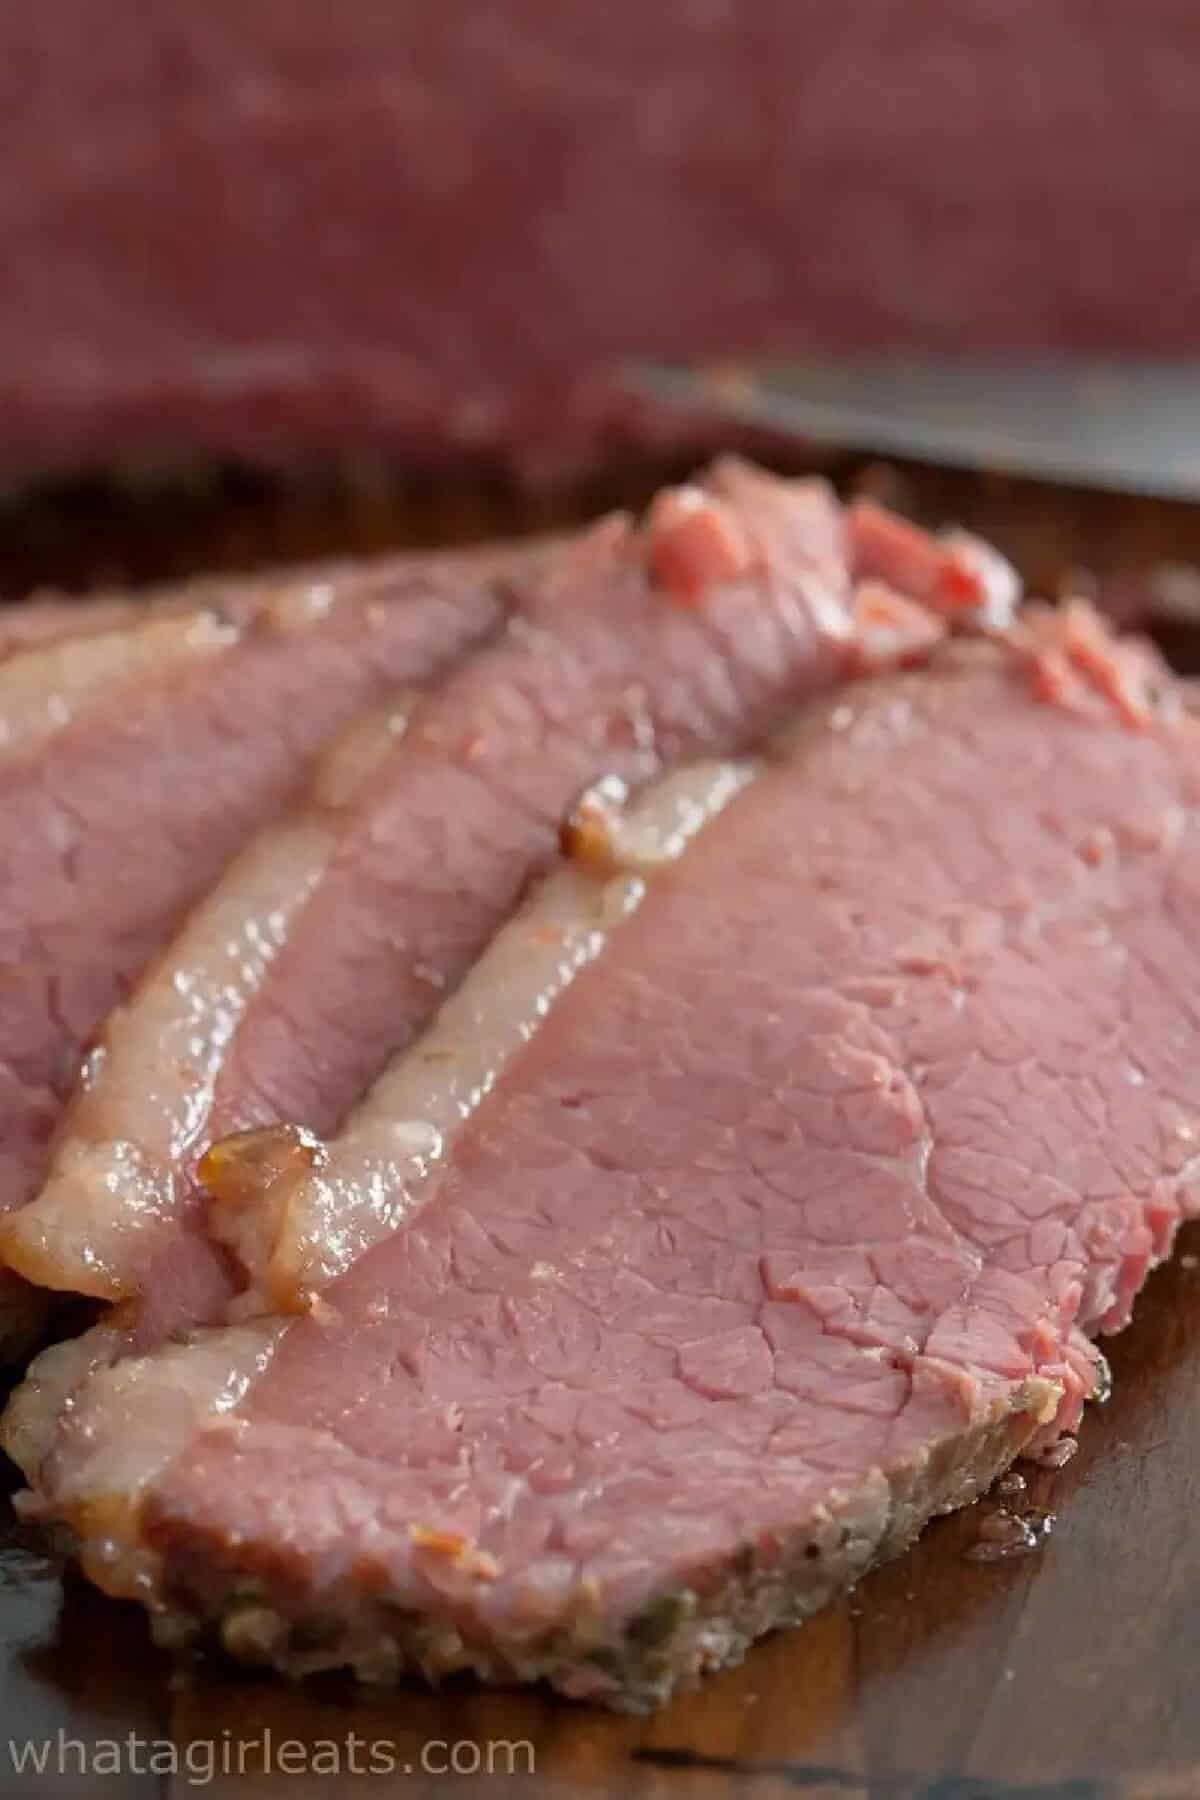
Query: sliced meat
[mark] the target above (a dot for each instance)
(323, 1208)
(51, 687)
(133, 763)
(158, 1056)
(48, 618)
(787, 1226)
(635, 649)
(44, 621)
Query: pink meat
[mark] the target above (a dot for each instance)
(600, 675)
(786, 1228)
(280, 233)
(620, 659)
(112, 821)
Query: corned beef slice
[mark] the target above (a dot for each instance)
(350, 922)
(787, 1226)
(157, 1055)
(275, 232)
(133, 762)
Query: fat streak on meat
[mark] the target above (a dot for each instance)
(330, 942)
(772, 1218)
(135, 760)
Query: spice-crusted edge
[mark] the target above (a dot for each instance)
(199, 1598)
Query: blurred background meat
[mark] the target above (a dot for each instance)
(281, 234)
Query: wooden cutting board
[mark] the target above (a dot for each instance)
(1071, 1674)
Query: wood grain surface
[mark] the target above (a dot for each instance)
(1070, 1674)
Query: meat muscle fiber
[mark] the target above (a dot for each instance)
(627, 649)
(135, 760)
(788, 1224)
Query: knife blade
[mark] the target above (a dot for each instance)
(1118, 426)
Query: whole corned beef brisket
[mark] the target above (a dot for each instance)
(757, 1196)
(280, 232)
